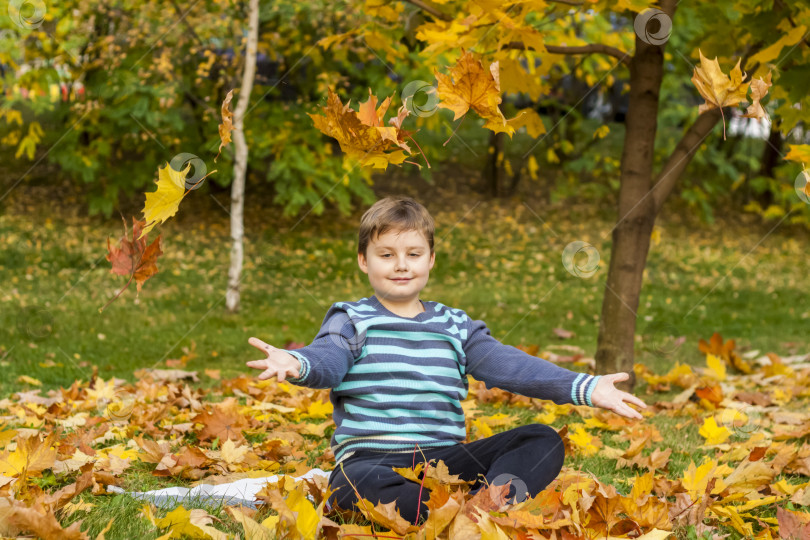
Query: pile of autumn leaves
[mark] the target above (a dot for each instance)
(90, 435)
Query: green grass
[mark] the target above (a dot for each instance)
(497, 261)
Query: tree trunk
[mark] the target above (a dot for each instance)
(631, 235)
(240, 161)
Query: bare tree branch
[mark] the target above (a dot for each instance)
(583, 49)
(682, 155)
(430, 9)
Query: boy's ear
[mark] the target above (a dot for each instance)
(362, 263)
(432, 259)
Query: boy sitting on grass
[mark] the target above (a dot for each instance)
(398, 367)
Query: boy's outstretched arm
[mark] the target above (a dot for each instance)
(509, 368)
(321, 364)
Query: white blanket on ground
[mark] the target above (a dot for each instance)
(234, 493)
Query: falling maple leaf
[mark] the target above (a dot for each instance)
(226, 127)
(471, 86)
(759, 87)
(163, 203)
(718, 89)
(133, 258)
(361, 135)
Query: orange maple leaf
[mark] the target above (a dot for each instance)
(361, 135)
(134, 258)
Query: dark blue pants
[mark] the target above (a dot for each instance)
(530, 456)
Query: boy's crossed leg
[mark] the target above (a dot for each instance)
(531, 456)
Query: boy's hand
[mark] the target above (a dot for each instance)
(607, 396)
(278, 362)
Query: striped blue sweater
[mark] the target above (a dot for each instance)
(397, 381)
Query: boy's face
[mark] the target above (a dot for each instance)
(398, 264)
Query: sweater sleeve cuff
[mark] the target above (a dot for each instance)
(582, 389)
(591, 388)
(304, 368)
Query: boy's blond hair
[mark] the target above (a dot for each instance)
(398, 214)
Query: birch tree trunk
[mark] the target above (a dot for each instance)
(240, 162)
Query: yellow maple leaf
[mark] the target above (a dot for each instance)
(531, 120)
(184, 523)
(307, 517)
(718, 89)
(483, 429)
(790, 38)
(717, 367)
(695, 479)
(164, 202)
(25, 379)
(583, 440)
(799, 153)
(30, 458)
(319, 409)
(471, 86)
(713, 433)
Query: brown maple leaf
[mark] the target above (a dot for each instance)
(223, 422)
(133, 258)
